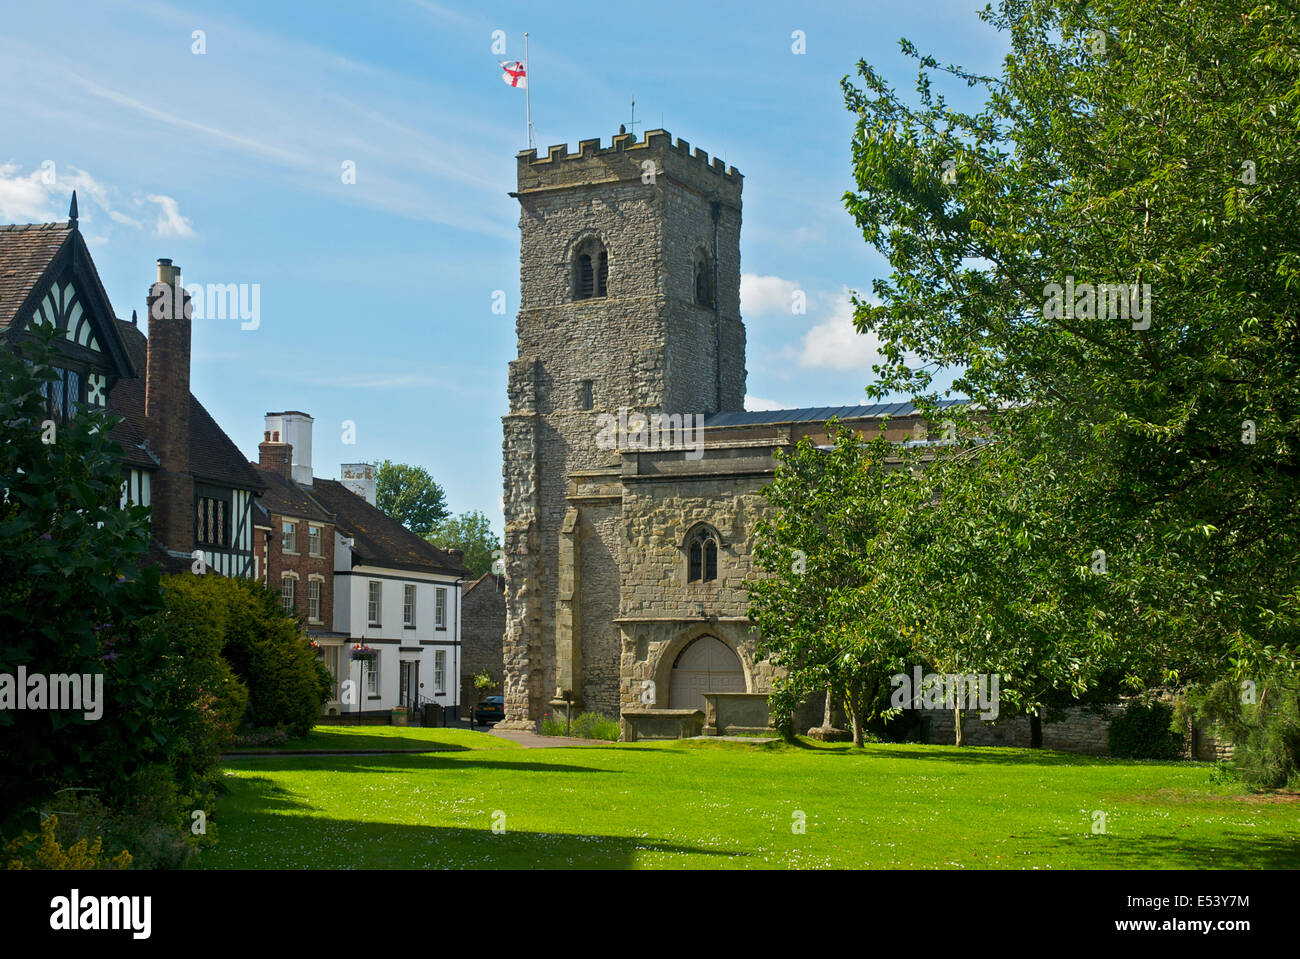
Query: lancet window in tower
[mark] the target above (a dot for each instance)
(591, 273)
(702, 556)
(703, 280)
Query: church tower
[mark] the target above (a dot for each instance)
(629, 300)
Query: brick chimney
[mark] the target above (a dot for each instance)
(275, 455)
(167, 408)
(457, 555)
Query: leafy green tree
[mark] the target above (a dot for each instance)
(471, 532)
(72, 596)
(409, 495)
(831, 509)
(1121, 143)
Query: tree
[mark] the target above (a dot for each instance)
(409, 495)
(1138, 161)
(471, 532)
(831, 509)
(72, 596)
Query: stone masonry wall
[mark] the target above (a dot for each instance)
(482, 629)
(618, 343)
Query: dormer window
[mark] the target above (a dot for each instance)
(703, 280)
(702, 556)
(591, 270)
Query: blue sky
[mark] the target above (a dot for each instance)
(376, 296)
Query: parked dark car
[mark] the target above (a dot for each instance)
(491, 710)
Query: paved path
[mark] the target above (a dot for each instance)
(534, 741)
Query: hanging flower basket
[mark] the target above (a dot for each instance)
(364, 653)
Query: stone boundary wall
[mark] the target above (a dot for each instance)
(1080, 731)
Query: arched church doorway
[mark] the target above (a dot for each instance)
(707, 665)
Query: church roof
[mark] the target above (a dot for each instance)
(815, 414)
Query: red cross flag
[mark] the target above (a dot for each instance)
(514, 74)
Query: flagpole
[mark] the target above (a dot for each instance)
(528, 97)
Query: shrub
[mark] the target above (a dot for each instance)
(1264, 725)
(45, 851)
(265, 648)
(266, 736)
(584, 726)
(1144, 730)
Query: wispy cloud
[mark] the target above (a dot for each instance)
(170, 222)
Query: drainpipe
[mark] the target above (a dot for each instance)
(456, 648)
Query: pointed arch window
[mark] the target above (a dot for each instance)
(591, 270)
(702, 556)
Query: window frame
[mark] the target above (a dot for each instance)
(318, 582)
(372, 676)
(205, 520)
(287, 581)
(288, 534)
(590, 270)
(314, 532)
(440, 672)
(440, 607)
(408, 606)
(374, 602)
(702, 548)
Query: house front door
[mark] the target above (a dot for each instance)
(408, 682)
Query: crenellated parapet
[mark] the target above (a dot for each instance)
(626, 158)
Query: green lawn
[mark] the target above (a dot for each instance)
(727, 805)
(356, 738)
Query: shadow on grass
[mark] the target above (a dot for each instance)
(402, 762)
(1173, 852)
(255, 833)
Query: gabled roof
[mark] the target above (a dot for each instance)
(467, 587)
(214, 458)
(32, 257)
(816, 414)
(26, 251)
(286, 497)
(379, 540)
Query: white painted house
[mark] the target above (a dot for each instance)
(397, 594)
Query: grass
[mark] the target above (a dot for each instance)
(697, 804)
(387, 738)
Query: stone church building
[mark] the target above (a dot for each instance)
(627, 561)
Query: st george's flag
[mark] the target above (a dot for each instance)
(514, 73)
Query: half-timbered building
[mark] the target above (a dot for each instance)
(175, 458)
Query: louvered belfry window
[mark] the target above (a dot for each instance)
(586, 285)
(591, 271)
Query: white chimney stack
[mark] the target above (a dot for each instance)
(294, 428)
(360, 479)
